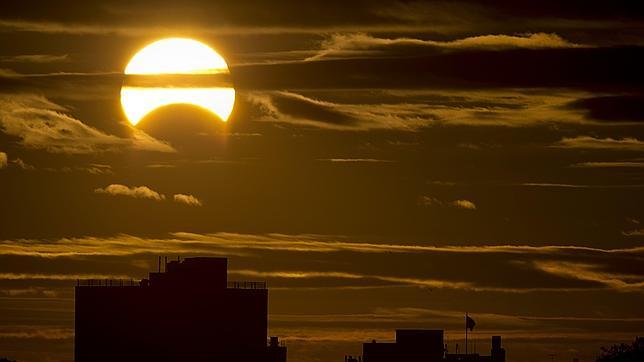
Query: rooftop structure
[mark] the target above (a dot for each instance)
(188, 312)
(426, 345)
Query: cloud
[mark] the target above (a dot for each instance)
(22, 164)
(98, 169)
(432, 201)
(359, 44)
(354, 160)
(637, 232)
(613, 164)
(144, 192)
(218, 243)
(593, 273)
(160, 165)
(30, 291)
(420, 282)
(39, 332)
(140, 192)
(3, 160)
(589, 142)
(293, 261)
(41, 124)
(464, 204)
(187, 199)
(429, 201)
(577, 186)
(43, 276)
(8, 73)
(411, 110)
(35, 58)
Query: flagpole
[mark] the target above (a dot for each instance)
(465, 333)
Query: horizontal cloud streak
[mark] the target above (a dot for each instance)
(425, 109)
(354, 160)
(42, 276)
(358, 44)
(140, 192)
(35, 58)
(183, 242)
(589, 142)
(609, 164)
(433, 201)
(594, 269)
(590, 272)
(40, 332)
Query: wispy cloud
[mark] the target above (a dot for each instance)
(17, 162)
(592, 273)
(426, 109)
(43, 276)
(22, 164)
(39, 332)
(609, 164)
(141, 192)
(4, 160)
(355, 160)
(350, 264)
(558, 185)
(464, 204)
(577, 186)
(636, 232)
(35, 58)
(433, 201)
(160, 165)
(42, 124)
(589, 142)
(420, 282)
(29, 292)
(187, 199)
(433, 283)
(362, 44)
(218, 243)
(98, 169)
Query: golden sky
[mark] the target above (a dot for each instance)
(386, 165)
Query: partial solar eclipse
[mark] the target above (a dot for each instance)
(176, 71)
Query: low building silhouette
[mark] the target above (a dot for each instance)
(497, 354)
(424, 345)
(188, 312)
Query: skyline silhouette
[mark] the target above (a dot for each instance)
(382, 165)
(187, 312)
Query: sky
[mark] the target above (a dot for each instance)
(388, 164)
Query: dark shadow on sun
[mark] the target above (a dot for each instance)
(188, 128)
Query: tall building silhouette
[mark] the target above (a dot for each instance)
(188, 312)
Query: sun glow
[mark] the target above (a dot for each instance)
(165, 72)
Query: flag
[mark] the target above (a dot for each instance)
(469, 322)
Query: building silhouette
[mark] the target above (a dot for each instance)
(426, 345)
(188, 312)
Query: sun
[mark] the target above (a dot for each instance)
(177, 71)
